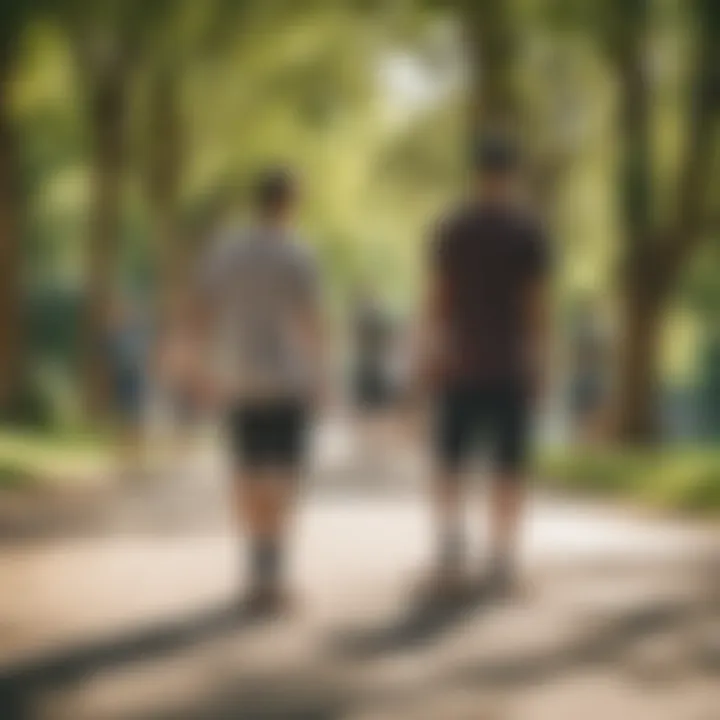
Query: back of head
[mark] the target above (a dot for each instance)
(274, 192)
(496, 156)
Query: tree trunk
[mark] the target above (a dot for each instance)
(636, 409)
(11, 232)
(634, 405)
(491, 47)
(107, 96)
(165, 156)
(655, 257)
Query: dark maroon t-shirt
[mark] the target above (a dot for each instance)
(485, 258)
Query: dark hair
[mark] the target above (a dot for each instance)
(274, 189)
(496, 154)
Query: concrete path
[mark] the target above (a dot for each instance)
(621, 618)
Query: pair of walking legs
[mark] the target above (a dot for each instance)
(506, 501)
(270, 439)
(497, 413)
(265, 500)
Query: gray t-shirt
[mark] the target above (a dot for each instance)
(260, 284)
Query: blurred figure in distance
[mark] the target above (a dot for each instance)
(174, 368)
(373, 387)
(127, 346)
(590, 372)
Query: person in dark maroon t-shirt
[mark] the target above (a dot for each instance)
(486, 319)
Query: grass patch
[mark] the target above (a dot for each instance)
(14, 477)
(673, 479)
(32, 459)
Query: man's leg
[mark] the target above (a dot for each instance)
(448, 522)
(263, 500)
(453, 434)
(268, 492)
(250, 427)
(508, 488)
(507, 497)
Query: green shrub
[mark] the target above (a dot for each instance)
(14, 477)
(679, 479)
(34, 459)
(691, 484)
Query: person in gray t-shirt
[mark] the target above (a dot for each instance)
(261, 318)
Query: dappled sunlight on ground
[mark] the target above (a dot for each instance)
(136, 616)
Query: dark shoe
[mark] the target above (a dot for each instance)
(501, 583)
(265, 602)
(443, 587)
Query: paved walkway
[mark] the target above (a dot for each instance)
(133, 619)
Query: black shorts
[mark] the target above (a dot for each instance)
(498, 414)
(269, 434)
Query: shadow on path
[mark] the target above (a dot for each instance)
(419, 625)
(610, 645)
(318, 692)
(23, 682)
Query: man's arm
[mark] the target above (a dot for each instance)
(312, 324)
(432, 317)
(200, 323)
(314, 329)
(538, 313)
(429, 330)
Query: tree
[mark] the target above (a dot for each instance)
(659, 231)
(491, 42)
(180, 37)
(163, 178)
(656, 251)
(107, 38)
(14, 17)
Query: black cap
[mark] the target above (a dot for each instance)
(495, 153)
